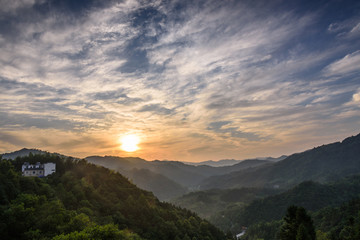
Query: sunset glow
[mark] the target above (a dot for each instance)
(129, 143)
(200, 79)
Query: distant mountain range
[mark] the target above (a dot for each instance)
(231, 162)
(166, 179)
(321, 164)
(249, 191)
(171, 172)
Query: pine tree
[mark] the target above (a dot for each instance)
(298, 225)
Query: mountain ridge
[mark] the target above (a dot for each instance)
(322, 164)
(82, 198)
(232, 162)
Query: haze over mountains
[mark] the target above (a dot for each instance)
(249, 191)
(230, 162)
(322, 164)
(166, 179)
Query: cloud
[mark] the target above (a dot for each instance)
(156, 108)
(13, 5)
(117, 96)
(356, 97)
(349, 64)
(347, 29)
(13, 121)
(233, 131)
(232, 72)
(12, 139)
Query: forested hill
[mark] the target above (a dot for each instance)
(310, 195)
(322, 164)
(84, 201)
(176, 177)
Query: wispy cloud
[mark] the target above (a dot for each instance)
(350, 64)
(166, 70)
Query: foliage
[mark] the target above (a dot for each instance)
(262, 230)
(341, 222)
(162, 187)
(106, 232)
(297, 225)
(331, 223)
(219, 206)
(83, 201)
(312, 196)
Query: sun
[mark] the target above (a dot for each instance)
(129, 143)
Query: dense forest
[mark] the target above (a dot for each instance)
(84, 201)
(330, 223)
(210, 204)
(230, 209)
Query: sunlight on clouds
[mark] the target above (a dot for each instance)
(356, 97)
(169, 73)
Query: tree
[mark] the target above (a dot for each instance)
(297, 225)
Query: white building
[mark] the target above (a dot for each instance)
(38, 169)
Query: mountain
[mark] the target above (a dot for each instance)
(234, 208)
(186, 175)
(21, 153)
(220, 163)
(25, 152)
(310, 195)
(166, 179)
(271, 159)
(162, 187)
(209, 203)
(321, 164)
(231, 162)
(173, 173)
(342, 222)
(334, 209)
(335, 223)
(85, 201)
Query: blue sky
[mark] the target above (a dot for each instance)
(195, 80)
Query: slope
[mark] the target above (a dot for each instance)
(322, 164)
(210, 203)
(332, 222)
(310, 195)
(82, 199)
(172, 172)
(162, 187)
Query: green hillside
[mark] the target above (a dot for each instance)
(230, 209)
(331, 223)
(84, 201)
(310, 195)
(162, 187)
(209, 203)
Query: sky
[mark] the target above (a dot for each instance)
(194, 80)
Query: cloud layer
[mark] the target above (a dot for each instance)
(197, 81)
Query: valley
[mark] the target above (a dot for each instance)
(252, 193)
